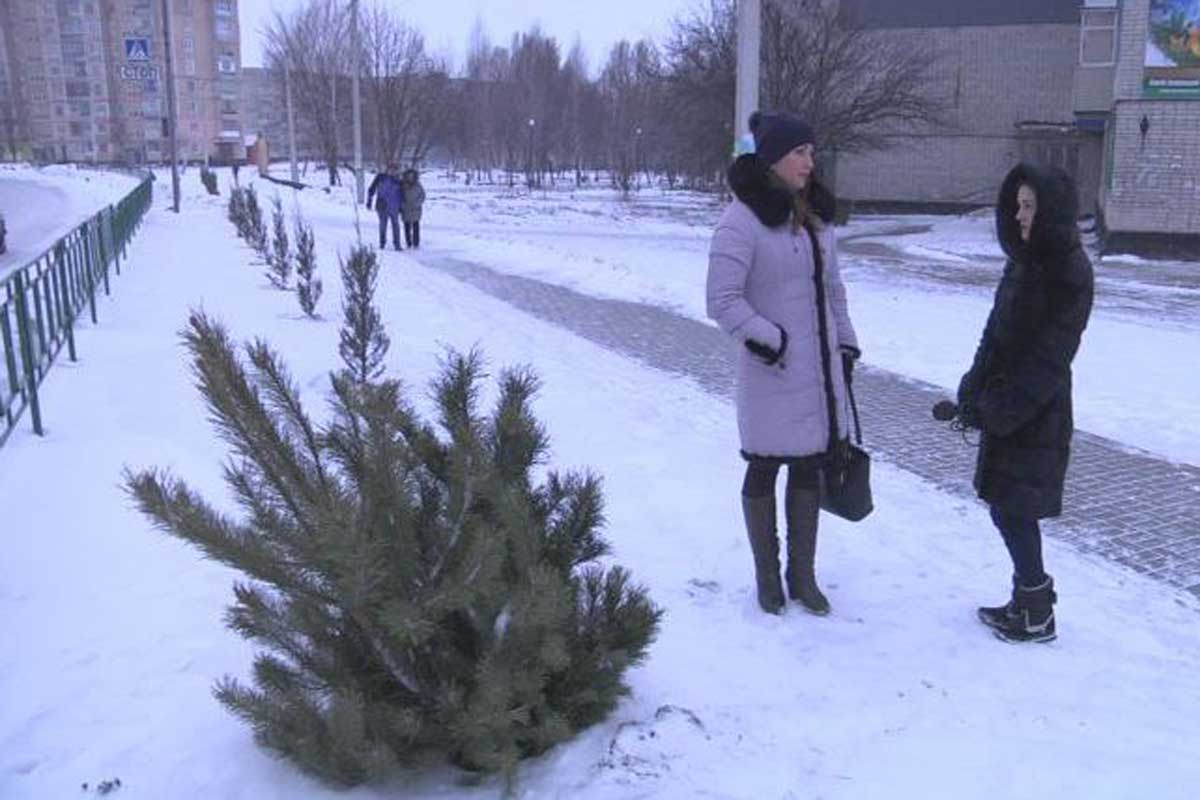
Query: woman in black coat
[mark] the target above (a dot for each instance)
(1018, 390)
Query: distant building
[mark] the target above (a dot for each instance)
(264, 110)
(89, 78)
(1063, 82)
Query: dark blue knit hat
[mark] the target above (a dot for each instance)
(776, 134)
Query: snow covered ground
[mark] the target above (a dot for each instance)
(114, 633)
(40, 204)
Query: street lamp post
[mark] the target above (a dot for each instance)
(356, 43)
(172, 118)
(749, 36)
(532, 125)
(637, 141)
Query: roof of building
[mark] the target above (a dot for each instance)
(884, 14)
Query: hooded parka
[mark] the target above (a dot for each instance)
(762, 277)
(1018, 390)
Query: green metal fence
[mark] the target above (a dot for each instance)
(40, 302)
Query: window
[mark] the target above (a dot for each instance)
(227, 65)
(78, 89)
(72, 47)
(1098, 41)
(224, 29)
(224, 8)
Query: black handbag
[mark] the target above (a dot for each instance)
(845, 480)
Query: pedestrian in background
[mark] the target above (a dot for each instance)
(387, 195)
(414, 202)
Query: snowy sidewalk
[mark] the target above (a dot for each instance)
(1122, 504)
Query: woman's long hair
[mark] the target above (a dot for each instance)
(803, 215)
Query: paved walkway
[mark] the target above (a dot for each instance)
(1127, 506)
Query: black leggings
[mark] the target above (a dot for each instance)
(412, 233)
(1023, 538)
(761, 473)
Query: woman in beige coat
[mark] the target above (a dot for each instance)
(774, 285)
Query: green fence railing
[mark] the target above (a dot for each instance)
(40, 302)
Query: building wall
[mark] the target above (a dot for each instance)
(14, 135)
(992, 78)
(1154, 183)
(263, 107)
(84, 104)
(57, 64)
(264, 110)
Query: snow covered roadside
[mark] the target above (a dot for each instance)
(654, 250)
(40, 204)
(117, 636)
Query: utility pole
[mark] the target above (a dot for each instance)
(749, 37)
(291, 117)
(172, 119)
(357, 101)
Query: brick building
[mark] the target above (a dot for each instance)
(1150, 192)
(264, 111)
(88, 78)
(1065, 82)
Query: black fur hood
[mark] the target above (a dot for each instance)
(772, 205)
(1054, 233)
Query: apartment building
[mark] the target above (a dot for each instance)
(88, 78)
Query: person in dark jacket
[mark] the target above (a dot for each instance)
(1018, 389)
(414, 202)
(387, 194)
(774, 285)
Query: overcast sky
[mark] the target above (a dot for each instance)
(447, 23)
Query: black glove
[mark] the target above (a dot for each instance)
(369, 207)
(968, 416)
(768, 355)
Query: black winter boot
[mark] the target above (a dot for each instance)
(997, 617)
(803, 507)
(759, 513)
(1034, 618)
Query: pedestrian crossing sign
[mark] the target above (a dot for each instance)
(137, 49)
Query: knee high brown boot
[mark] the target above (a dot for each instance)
(764, 544)
(802, 507)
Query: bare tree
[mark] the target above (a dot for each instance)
(314, 43)
(853, 85)
(536, 77)
(629, 84)
(701, 57)
(405, 87)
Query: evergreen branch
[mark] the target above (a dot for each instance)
(178, 511)
(517, 440)
(242, 419)
(401, 673)
(283, 397)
